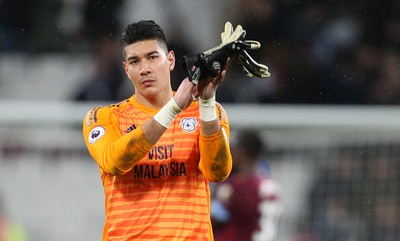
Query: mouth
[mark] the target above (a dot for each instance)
(147, 82)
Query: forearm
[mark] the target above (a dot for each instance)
(153, 130)
(209, 128)
(120, 156)
(215, 156)
(216, 159)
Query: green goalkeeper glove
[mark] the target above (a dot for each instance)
(210, 62)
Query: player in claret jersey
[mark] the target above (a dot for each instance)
(248, 205)
(158, 150)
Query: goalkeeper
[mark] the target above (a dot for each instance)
(158, 150)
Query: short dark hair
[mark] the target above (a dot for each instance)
(250, 142)
(143, 30)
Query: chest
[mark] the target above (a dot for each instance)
(179, 143)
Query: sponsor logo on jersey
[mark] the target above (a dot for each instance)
(96, 133)
(173, 169)
(189, 124)
(161, 152)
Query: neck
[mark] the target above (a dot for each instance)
(155, 102)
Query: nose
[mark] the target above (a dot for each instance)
(145, 68)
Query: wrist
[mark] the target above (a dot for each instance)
(167, 113)
(207, 109)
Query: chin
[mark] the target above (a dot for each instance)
(150, 92)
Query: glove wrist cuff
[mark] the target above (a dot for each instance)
(207, 109)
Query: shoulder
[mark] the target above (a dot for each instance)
(99, 113)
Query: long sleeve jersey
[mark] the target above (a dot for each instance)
(161, 191)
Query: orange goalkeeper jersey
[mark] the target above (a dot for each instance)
(164, 194)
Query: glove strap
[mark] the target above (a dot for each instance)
(251, 66)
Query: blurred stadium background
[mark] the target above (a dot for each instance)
(329, 113)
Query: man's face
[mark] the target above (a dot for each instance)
(148, 66)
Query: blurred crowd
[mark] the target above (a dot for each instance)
(319, 52)
(355, 197)
(324, 52)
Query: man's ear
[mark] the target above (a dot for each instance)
(126, 68)
(171, 60)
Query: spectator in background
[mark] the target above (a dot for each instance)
(100, 28)
(107, 77)
(248, 206)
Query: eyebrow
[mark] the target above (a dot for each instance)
(146, 55)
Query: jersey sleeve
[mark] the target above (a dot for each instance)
(215, 156)
(115, 153)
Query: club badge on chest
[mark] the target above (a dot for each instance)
(189, 124)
